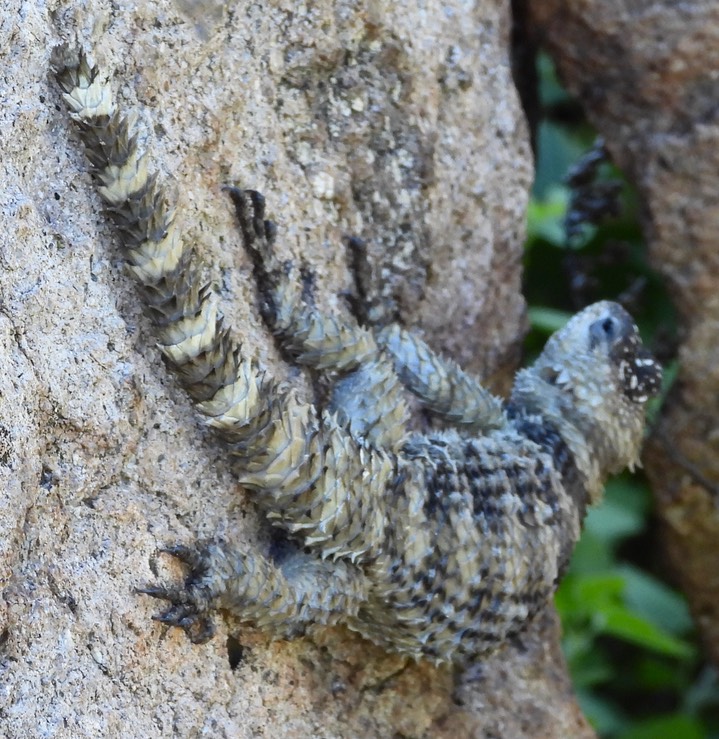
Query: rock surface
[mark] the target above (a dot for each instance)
(381, 119)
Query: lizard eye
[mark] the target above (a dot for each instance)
(605, 330)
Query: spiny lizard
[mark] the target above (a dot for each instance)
(438, 546)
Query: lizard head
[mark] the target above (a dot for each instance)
(592, 381)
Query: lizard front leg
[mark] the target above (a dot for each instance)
(440, 384)
(367, 396)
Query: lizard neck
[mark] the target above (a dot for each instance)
(548, 437)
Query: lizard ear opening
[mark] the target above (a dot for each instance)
(557, 377)
(549, 375)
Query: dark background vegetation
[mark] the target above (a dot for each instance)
(637, 666)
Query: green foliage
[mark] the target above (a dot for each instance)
(628, 636)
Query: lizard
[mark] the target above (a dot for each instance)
(438, 545)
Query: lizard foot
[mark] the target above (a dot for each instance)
(189, 605)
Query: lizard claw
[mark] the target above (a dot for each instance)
(155, 592)
(198, 627)
(188, 605)
(258, 233)
(187, 555)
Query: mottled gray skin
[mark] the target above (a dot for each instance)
(437, 546)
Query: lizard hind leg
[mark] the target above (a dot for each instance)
(283, 597)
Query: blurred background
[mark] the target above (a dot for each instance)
(635, 660)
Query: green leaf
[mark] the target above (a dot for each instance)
(621, 623)
(652, 599)
(671, 726)
(591, 668)
(547, 319)
(614, 521)
(545, 216)
(703, 694)
(604, 716)
(631, 492)
(655, 672)
(597, 591)
(592, 554)
(550, 90)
